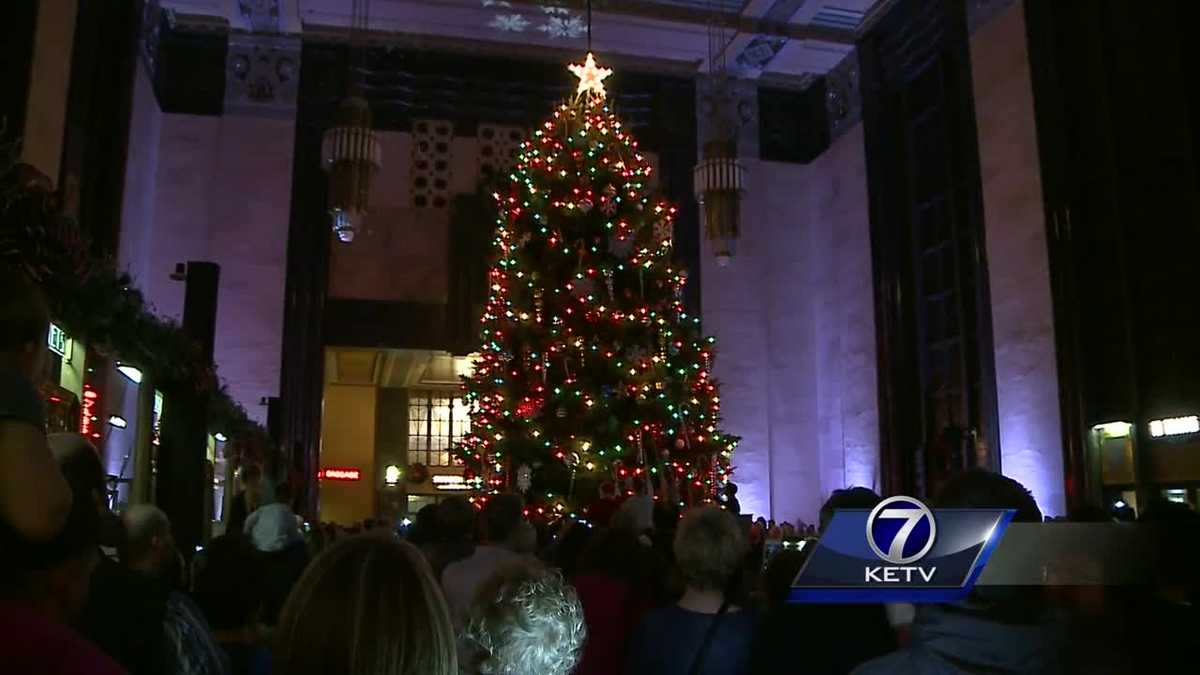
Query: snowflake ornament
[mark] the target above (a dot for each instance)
(566, 27)
(510, 23)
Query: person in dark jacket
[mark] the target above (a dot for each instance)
(837, 637)
(248, 500)
(124, 611)
(230, 590)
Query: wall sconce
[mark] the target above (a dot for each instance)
(392, 474)
(133, 374)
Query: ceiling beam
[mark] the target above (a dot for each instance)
(477, 47)
(733, 22)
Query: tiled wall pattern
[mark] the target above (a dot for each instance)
(431, 160)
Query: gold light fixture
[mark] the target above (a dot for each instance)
(350, 150)
(719, 179)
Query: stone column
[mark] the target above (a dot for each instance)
(143, 445)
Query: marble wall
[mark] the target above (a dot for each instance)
(214, 189)
(1022, 313)
(793, 317)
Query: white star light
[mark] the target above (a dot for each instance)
(591, 77)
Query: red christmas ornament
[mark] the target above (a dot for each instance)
(528, 407)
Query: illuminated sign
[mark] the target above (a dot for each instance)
(1113, 429)
(58, 342)
(339, 473)
(1175, 426)
(450, 482)
(87, 416)
(156, 437)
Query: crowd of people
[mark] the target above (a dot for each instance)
(640, 587)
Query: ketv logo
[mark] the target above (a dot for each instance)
(900, 551)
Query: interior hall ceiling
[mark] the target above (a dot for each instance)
(779, 38)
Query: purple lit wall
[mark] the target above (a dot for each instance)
(1022, 315)
(215, 188)
(793, 317)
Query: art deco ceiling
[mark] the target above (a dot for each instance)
(776, 37)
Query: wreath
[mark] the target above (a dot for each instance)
(418, 473)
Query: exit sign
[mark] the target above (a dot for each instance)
(339, 473)
(58, 342)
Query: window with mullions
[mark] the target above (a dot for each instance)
(436, 421)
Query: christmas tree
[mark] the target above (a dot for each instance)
(591, 370)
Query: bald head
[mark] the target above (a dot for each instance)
(149, 546)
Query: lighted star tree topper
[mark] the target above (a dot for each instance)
(591, 369)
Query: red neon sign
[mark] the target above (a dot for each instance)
(339, 473)
(87, 416)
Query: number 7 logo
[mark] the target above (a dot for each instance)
(912, 512)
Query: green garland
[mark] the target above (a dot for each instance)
(96, 303)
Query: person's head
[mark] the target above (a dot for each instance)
(24, 323)
(424, 529)
(781, 572)
(709, 548)
(456, 519)
(635, 514)
(502, 515)
(1176, 536)
(571, 546)
(149, 546)
(615, 553)
(847, 498)
(366, 605)
(229, 585)
(525, 619)
(666, 516)
(981, 489)
(283, 493)
(55, 575)
(80, 464)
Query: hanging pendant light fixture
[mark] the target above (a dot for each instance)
(719, 179)
(350, 150)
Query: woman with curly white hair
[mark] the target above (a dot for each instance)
(525, 620)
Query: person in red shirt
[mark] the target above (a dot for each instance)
(601, 512)
(616, 583)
